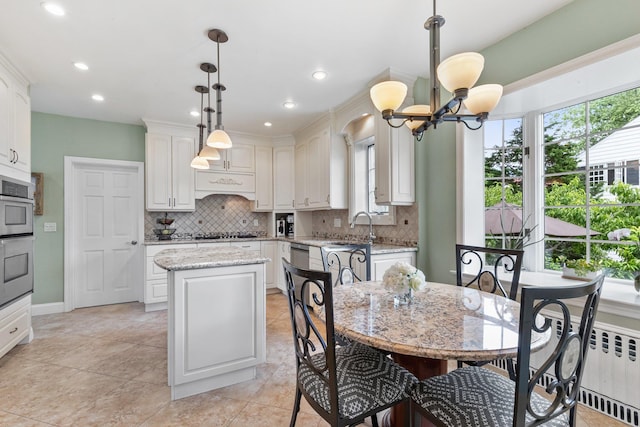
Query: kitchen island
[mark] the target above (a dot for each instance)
(216, 319)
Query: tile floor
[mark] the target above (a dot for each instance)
(106, 366)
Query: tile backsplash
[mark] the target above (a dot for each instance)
(214, 214)
(232, 214)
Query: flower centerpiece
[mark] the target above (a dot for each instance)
(402, 279)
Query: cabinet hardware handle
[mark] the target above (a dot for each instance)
(14, 330)
(257, 204)
(169, 201)
(17, 156)
(174, 202)
(328, 198)
(134, 242)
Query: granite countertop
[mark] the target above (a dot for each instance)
(190, 259)
(442, 322)
(376, 248)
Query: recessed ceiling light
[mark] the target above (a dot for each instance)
(289, 105)
(97, 97)
(195, 113)
(53, 8)
(81, 66)
(268, 124)
(319, 75)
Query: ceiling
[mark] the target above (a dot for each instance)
(144, 55)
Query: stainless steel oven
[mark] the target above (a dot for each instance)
(16, 268)
(16, 239)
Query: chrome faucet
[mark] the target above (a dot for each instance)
(353, 224)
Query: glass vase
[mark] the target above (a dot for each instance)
(403, 298)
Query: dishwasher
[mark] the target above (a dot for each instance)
(299, 258)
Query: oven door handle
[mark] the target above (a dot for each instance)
(15, 239)
(15, 199)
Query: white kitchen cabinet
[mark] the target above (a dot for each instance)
(381, 262)
(252, 245)
(269, 249)
(283, 177)
(155, 278)
(264, 179)
(395, 168)
(15, 324)
(284, 251)
(170, 180)
(15, 124)
(240, 158)
(320, 171)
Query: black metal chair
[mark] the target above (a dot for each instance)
(353, 262)
(343, 384)
(474, 396)
(488, 267)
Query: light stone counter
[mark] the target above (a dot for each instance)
(189, 259)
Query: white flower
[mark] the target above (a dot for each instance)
(402, 276)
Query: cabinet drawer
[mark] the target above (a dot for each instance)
(153, 250)
(212, 245)
(153, 271)
(250, 246)
(225, 182)
(13, 329)
(155, 291)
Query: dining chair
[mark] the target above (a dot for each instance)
(473, 395)
(488, 268)
(343, 384)
(351, 262)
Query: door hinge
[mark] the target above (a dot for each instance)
(526, 151)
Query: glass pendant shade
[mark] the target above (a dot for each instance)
(460, 71)
(388, 95)
(483, 99)
(199, 163)
(219, 139)
(422, 110)
(209, 153)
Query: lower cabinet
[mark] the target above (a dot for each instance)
(155, 278)
(284, 251)
(381, 262)
(15, 324)
(269, 249)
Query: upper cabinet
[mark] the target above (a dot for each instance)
(264, 179)
(240, 158)
(15, 124)
(169, 176)
(395, 165)
(283, 177)
(320, 169)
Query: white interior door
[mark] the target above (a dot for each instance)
(103, 232)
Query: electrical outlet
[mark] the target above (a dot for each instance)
(255, 223)
(243, 222)
(337, 222)
(50, 227)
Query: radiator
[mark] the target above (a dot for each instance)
(611, 383)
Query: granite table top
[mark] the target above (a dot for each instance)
(196, 258)
(443, 322)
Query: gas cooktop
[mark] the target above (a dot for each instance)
(234, 235)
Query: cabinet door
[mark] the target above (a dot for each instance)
(283, 166)
(319, 170)
(183, 175)
(158, 171)
(284, 251)
(241, 158)
(395, 175)
(301, 174)
(270, 250)
(264, 179)
(5, 129)
(380, 263)
(22, 131)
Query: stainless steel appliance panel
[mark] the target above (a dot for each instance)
(299, 258)
(16, 216)
(16, 268)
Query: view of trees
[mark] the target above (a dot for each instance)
(566, 133)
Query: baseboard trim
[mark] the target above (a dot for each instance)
(49, 308)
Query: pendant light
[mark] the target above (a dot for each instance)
(205, 153)
(218, 138)
(457, 74)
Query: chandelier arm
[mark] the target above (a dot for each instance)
(469, 127)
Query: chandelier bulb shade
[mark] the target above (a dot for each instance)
(209, 153)
(457, 74)
(483, 99)
(460, 71)
(388, 95)
(219, 139)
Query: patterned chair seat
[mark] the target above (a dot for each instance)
(367, 380)
(474, 396)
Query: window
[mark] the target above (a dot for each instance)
(570, 160)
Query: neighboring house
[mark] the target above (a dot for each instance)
(615, 158)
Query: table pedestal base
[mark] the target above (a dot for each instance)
(422, 368)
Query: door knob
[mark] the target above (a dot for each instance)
(134, 242)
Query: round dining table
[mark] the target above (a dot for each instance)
(441, 323)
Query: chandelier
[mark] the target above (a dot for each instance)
(457, 74)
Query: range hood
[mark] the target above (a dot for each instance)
(213, 182)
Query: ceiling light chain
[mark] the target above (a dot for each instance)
(457, 74)
(218, 138)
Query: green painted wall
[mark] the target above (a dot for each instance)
(579, 28)
(52, 138)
